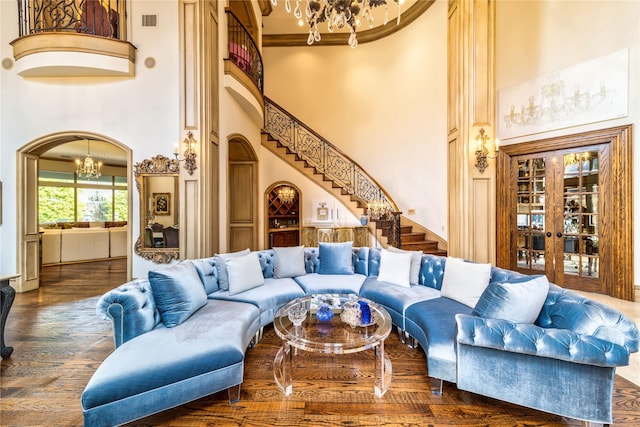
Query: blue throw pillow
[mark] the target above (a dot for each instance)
(517, 300)
(335, 258)
(206, 271)
(178, 292)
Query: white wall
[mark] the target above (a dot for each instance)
(552, 35)
(358, 100)
(278, 170)
(141, 112)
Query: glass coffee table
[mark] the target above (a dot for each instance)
(342, 334)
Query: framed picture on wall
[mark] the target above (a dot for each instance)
(322, 211)
(161, 203)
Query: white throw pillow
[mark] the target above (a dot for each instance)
(395, 268)
(465, 281)
(416, 263)
(244, 273)
(288, 262)
(518, 300)
(223, 277)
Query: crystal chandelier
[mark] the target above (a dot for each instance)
(376, 209)
(286, 194)
(89, 168)
(338, 14)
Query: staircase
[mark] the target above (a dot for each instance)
(320, 161)
(417, 241)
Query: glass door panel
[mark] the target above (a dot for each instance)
(581, 191)
(531, 213)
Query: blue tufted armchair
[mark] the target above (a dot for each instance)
(563, 364)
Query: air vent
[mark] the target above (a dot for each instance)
(149, 20)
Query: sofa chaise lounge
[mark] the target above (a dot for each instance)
(182, 333)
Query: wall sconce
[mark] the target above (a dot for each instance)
(189, 153)
(482, 152)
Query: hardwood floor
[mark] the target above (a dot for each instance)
(59, 341)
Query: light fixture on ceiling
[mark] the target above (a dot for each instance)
(189, 153)
(338, 14)
(88, 168)
(286, 194)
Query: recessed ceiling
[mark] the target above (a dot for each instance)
(281, 22)
(105, 152)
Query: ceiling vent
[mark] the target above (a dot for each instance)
(149, 20)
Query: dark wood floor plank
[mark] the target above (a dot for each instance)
(59, 342)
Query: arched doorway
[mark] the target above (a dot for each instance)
(282, 202)
(242, 195)
(61, 148)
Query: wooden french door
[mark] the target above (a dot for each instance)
(567, 211)
(558, 215)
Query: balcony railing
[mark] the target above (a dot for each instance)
(103, 18)
(335, 165)
(244, 52)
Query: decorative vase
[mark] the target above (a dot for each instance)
(324, 313)
(365, 313)
(364, 219)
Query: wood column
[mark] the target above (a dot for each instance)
(471, 107)
(199, 95)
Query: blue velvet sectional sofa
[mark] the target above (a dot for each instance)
(182, 333)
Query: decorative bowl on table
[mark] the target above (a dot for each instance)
(297, 314)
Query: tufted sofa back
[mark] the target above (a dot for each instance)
(432, 269)
(360, 259)
(565, 309)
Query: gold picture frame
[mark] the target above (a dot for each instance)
(162, 203)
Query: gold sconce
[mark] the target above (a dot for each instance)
(189, 153)
(482, 152)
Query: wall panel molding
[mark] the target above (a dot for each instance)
(189, 49)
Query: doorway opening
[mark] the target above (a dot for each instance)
(60, 213)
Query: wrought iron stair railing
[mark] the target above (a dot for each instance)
(333, 164)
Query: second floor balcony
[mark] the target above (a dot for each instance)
(244, 65)
(73, 38)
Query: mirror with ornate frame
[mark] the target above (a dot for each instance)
(157, 182)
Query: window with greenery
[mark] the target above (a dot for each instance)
(64, 198)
